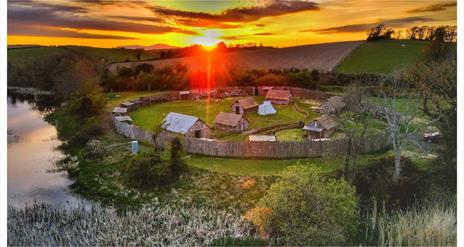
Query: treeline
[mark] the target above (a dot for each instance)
(431, 33)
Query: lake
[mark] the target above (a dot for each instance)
(32, 154)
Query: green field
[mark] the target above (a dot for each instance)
(108, 55)
(382, 57)
(150, 116)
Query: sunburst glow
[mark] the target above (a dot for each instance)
(208, 39)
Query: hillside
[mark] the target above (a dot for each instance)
(382, 57)
(323, 57)
(26, 54)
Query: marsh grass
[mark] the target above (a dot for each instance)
(158, 225)
(429, 224)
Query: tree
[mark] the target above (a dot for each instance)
(401, 127)
(379, 32)
(177, 164)
(147, 171)
(305, 208)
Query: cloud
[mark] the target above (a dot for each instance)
(244, 14)
(233, 37)
(67, 16)
(433, 7)
(28, 30)
(264, 33)
(64, 17)
(400, 22)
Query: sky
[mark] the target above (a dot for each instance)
(279, 23)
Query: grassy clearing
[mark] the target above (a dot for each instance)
(382, 56)
(157, 225)
(148, 117)
(290, 135)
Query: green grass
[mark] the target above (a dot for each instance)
(258, 167)
(382, 57)
(290, 135)
(22, 55)
(148, 117)
(109, 55)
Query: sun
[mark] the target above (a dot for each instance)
(208, 39)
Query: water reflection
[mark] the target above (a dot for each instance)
(32, 155)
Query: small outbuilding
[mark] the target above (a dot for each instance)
(280, 97)
(230, 122)
(184, 95)
(123, 119)
(241, 106)
(262, 138)
(119, 111)
(333, 104)
(321, 127)
(266, 108)
(189, 126)
(130, 106)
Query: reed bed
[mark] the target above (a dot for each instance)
(161, 225)
(431, 224)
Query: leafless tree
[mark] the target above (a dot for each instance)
(402, 128)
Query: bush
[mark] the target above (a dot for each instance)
(375, 180)
(308, 209)
(177, 164)
(147, 171)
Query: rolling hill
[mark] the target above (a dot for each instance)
(382, 57)
(323, 57)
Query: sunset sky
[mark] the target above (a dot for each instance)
(106, 23)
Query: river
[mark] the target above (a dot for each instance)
(32, 154)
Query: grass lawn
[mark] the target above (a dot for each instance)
(290, 135)
(147, 117)
(382, 56)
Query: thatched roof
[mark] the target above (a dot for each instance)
(119, 110)
(324, 122)
(336, 102)
(278, 94)
(228, 119)
(247, 103)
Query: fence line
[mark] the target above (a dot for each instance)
(247, 149)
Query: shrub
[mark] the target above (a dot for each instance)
(375, 180)
(177, 166)
(147, 171)
(309, 209)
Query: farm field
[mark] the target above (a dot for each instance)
(149, 116)
(21, 55)
(323, 57)
(382, 56)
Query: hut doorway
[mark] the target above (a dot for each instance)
(197, 133)
(237, 109)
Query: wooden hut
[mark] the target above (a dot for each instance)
(321, 127)
(186, 125)
(280, 97)
(124, 119)
(119, 111)
(230, 122)
(241, 106)
(333, 104)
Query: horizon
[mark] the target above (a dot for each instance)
(108, 24)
